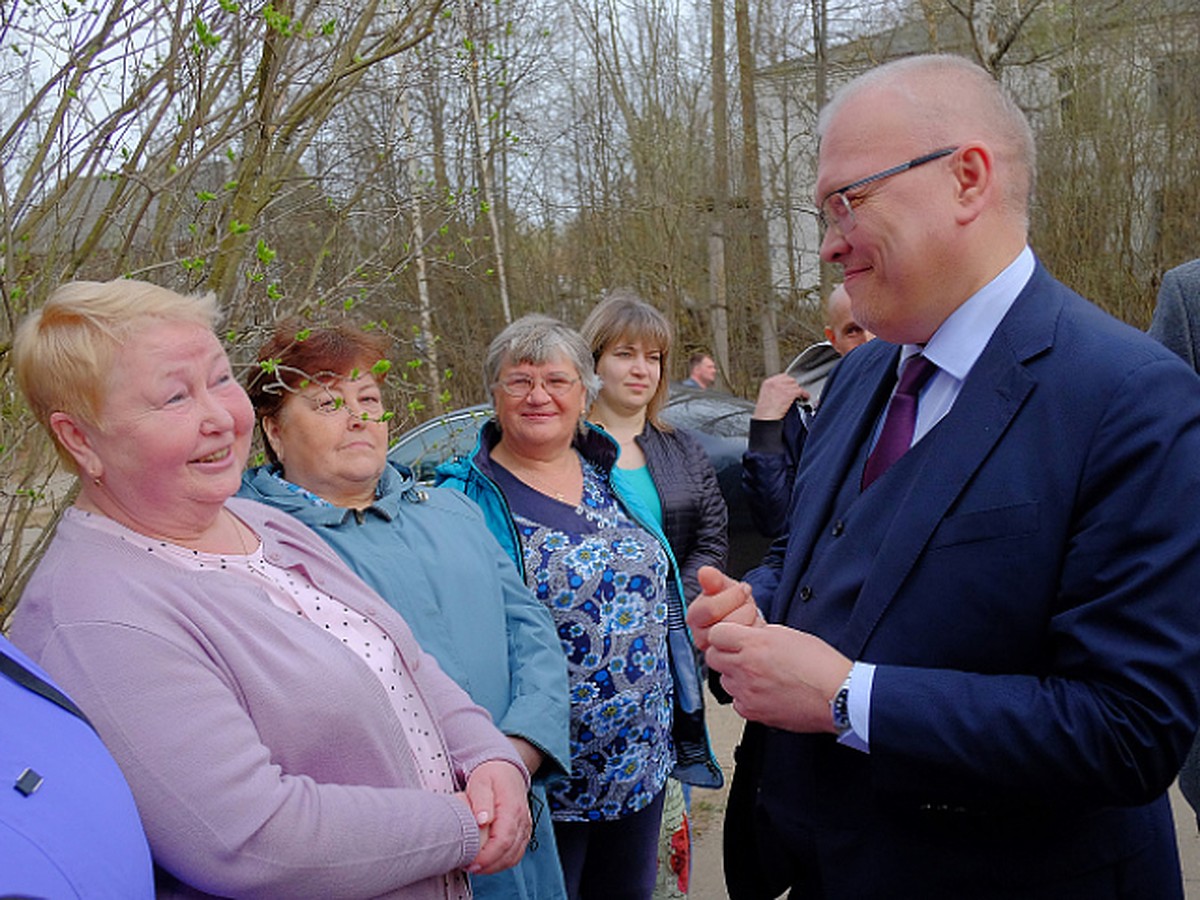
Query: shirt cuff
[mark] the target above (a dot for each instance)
(858, 706)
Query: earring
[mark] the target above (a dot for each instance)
(96, 480)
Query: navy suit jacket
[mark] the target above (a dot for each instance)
(1033, 613)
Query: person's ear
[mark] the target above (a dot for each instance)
(75, 438)
(974, 173)
(270, 429)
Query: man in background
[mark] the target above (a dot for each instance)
(1176, 325)
(1176, 321)
(841, 329)
(702, 372)
(780, 422)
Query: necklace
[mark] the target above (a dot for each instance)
(237, 530)
(541, 486)
(550, 492)
(253, 559)
(548, 487)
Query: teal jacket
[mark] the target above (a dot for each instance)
(429, 554)
(695, 763)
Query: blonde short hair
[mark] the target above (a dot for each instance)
(62, 353)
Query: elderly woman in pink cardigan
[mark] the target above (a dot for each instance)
(283, 734)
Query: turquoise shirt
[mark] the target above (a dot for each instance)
(695, 763)
(638, 483)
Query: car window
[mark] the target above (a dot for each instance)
(709, 411)
(428, 445)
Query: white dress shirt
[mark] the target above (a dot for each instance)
(954, 347)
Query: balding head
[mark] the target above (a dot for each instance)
(841, 329)
(949, 100)
(923, 174)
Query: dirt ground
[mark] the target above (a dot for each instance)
(708, 807)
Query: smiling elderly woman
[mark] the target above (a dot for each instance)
(318, 397)
(593, 555)
(266, 758)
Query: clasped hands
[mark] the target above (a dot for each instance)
(499, 801)
(776, 675)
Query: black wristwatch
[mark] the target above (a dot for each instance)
(839, 706)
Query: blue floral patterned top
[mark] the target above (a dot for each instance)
(604, 579)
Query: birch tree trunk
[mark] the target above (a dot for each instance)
(719, 297)
(428, 342)
(759, 282)
(483, 159)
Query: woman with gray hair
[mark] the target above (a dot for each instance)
(593, 555)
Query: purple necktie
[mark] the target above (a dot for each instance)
(897, 433)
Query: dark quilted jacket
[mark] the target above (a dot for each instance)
(769, 470)
(695, 519)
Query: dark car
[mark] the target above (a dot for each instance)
(721, 422)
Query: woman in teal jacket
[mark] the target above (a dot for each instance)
(695, 762)
(593, 555)
(426, 551)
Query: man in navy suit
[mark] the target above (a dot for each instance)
(983, 667)
(1176, 325)
(1176, 320)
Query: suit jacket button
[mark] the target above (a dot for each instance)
(838, 527)
(806, 593)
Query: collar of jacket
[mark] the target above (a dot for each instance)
(396, 486)
(594, 444)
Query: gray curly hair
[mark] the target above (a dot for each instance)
(538, 339)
